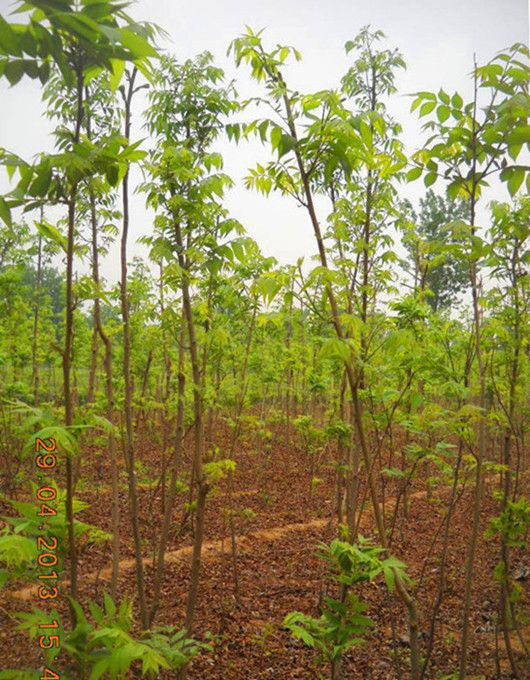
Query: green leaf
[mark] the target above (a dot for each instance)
(429, 179)
(389, 579)
(5, 213)
(515, 181)
(99, 668)
(276, 137)
(294, 621)
(427, 107)
(44, 72)
(366, 133)
(112, 175)
(13, 71)
(136, 44)
(454, 189)
(514, 150)
(110, 607)
(9, 40)
(118, 68)
(239, 250)
(51, 233)
(268, 287)
(520, 135)
(414, 173)
(287, 144)
(443, 113)
(457, 101)
(78, 25)
(335, 348)
(41, 183)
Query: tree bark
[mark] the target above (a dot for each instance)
(130, 457)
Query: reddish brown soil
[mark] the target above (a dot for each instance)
(280, 572)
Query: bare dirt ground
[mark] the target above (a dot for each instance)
(278, 529)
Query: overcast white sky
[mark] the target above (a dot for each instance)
(437, 39)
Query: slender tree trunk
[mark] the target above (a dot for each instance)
(167, 391)
(36, 313)
(443, 565)
(342, 457)
(129, 438)
(68, 345)
(477, 497)
(141, 413)
(402, 591)
(235, 437)
(504, 594)
(172, 494)
(114, 472)
(93, 360)
(288, 368)
(198, 409)
(481, 443)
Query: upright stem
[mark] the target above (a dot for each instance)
(504, 599)
(235, 436)
(129, 441)
(36, 313)
(289, 368)
(481, 444)
(98, 325)
(114, 473)
(404, 595)
(172, 494)
(167, 388)
(93, 362)
(198, 408)
(68, 343)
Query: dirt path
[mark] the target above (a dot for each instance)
(246, 542)
(210, 549)
(214, 548)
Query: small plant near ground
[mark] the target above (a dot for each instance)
(103, 645)
(343, 623)
(18, 545)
